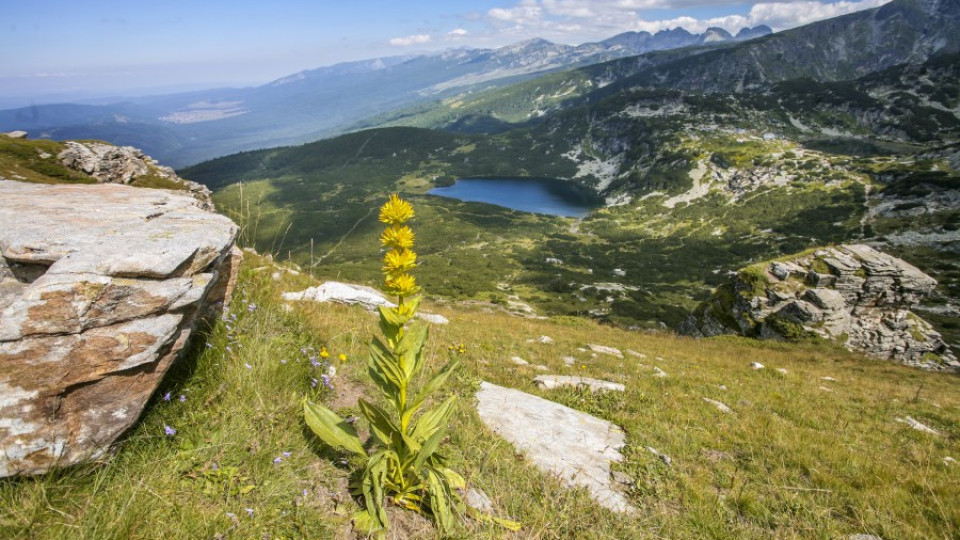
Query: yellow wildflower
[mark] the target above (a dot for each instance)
(396, 261)
(342, 357)
(324, 353)
(396, 211)
(397, 236)
(401, 285)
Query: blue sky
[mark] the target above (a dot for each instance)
(76, 48)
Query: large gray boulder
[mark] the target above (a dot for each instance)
(850, 293)
(101, 287)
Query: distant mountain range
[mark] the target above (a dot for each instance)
(184, 128)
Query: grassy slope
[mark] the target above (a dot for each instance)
(800, 458)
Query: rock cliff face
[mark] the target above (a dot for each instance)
(111, 164)
(100, 288)
(851, 293)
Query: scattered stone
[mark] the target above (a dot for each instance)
(720, 406)
(569, 360)
(660, 359)
(722, 387)
(345, 293)
(519, 361)
(756, 365)
(825, 389)
(546, 340)
(602, 349)
(781, 371)
(478, 500)
(540, 367)
(549, 382)
(18, 134)
(661, 456)
(864, 537)
(637, 354)
(917, 425)
(554, 261)
(622, 478)
(571, 444)
(619, 272)
(949, 460)
(831, 379)
(101, 287)
(657, 372)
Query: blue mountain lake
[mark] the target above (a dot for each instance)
(538, 195)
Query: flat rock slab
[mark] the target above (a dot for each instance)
(573, 445)
(346, 293)
(100, 288)
(603, 349)
(550, 382)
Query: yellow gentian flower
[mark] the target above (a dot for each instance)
(397, 236)
(401, 285)
(396, 261)
(396, 211)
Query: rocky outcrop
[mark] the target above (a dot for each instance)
(851, 293)
(111, 164)
(101, 287)
(345, 293)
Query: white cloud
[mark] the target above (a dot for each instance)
(416, 39)
(457, 32)
(572, 21)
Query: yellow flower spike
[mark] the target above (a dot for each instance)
(324, 353)
(342, 358)
(401, 285)
(397, 261)
(398, 237)
(396, 211)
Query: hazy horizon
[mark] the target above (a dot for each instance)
(67, 51)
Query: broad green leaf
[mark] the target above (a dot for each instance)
(433, 420)
(384, 371)
(454, 479)
(410, 349)
(427, 450)
(440, 499)
(434, 384)
(331, 429)
(374, 475)
(381, 425)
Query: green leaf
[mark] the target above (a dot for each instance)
(411, 347)
(427, 450)
(434, 384)
(440, 499)
(434, 420)
(331, 429)
(373, 478)
(383, 428)
(454, 479)
(384, 370)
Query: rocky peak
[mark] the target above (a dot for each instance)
(111, 164)
(852, 294)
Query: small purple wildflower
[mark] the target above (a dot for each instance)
(277, 460)
(231, 515)
(284, 361)
(252, 307)
(182, 398)
(166, 397)
(313, 383)
(286, 454)
(248, 366)
(229, 349)
(249, 511)
(169, 431)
